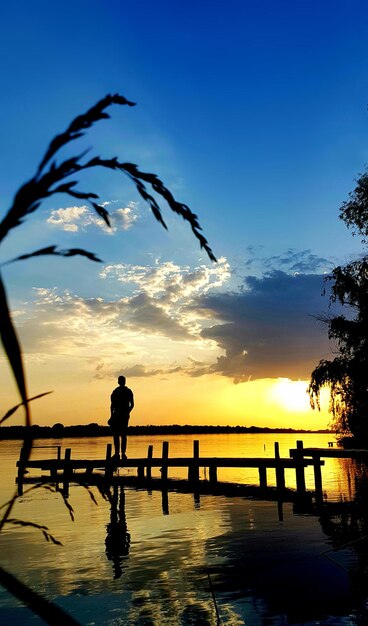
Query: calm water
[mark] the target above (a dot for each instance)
(126, 562)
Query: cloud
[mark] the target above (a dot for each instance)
(179, 320)
(124, 218)
(66, 321)
(151, 325)
(130, 371)
(191, 368)
(269, 328)
(169, 282)
(291, 261)
(77, 218)
(171, 288)
(69, 219)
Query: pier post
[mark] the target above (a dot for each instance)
(21, 470)
(165, 500)
(53, 470)
(108, 462)
(299, 469)
(58, 457)
(262, 476)
(149, 458)
(213, 474)
(165, 456)
(318, 479)
(67, 474)
(280, 510)
(140, 472)
(193, 470)
(197, 500)
(280, 470)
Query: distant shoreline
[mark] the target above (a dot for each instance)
(58, 431)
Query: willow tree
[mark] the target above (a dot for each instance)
(346, 376)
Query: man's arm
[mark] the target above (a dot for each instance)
(112, 404)
(131, 402)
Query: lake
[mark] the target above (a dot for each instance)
(125, 561)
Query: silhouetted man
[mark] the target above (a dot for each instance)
(122, 402)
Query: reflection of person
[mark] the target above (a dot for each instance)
(117, 540)
(122, 402)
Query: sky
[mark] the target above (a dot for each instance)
(255, 116)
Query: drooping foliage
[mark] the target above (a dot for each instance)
(346, 375)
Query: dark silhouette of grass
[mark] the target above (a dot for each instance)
(54, 177)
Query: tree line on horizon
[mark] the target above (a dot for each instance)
(58, 430)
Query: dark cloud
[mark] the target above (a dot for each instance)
(194, 369)
(269, 329)
(137, 371)
(139, 313)
(303, 261)
(147, 316)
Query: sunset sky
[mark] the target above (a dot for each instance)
(253, 114)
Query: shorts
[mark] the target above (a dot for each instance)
(119, 424)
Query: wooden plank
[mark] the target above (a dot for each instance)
(331, 453)
(47, 464)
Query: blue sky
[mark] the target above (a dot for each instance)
(254, 114)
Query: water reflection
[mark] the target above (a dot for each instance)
(346, 524)
(143, 557)
(117, 542)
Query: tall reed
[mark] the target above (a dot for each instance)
(53, 177)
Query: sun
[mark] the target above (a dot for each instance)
(291, 395)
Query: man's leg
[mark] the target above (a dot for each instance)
(123, 444)
(116, 445)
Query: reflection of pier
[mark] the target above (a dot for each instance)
(66, 470)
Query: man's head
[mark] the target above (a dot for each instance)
(121, 381)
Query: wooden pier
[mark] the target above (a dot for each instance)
(330, 452)
(66, 470)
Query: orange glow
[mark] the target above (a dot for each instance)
(80, 398)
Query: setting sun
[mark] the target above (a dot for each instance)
(291, 395)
